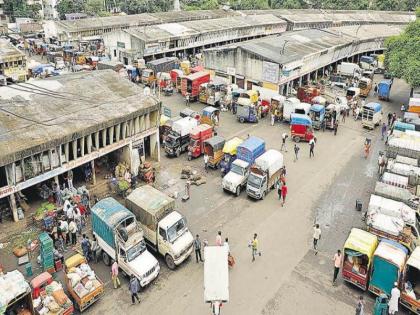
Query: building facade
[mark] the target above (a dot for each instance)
(12, 62)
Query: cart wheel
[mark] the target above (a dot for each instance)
(170, 262)
(296, 139)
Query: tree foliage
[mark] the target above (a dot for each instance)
(403, 54)
(20, 8)
(70, 6)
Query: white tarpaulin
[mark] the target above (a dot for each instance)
(12, 284)
(216, 274)
(381, 205)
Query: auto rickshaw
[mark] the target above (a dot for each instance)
(276, 105)
(213, 147)
(301, 128)
(209, 114)
(229, 151)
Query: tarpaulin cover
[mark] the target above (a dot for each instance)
(300, 119)
(376, 107)
(361, 242)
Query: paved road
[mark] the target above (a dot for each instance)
(288, 278)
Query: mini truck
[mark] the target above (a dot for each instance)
(246, 154)
(121, 240)
(165, 230)
(264, 174)
(197, 137)
(410, 295)
(371, 115)
(179, 137)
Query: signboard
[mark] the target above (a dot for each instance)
(120, 45)
(167, 111)
(230, 71)
(270, 72)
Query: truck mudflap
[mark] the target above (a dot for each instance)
(410, 303)
(184, 256)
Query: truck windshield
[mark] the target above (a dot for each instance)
(237, 169)
(254, 181)
(136, 250)
(177, 230)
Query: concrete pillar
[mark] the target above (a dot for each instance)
(124, 130)
(82, 146)
(111, 134)
(323, 71)
(74, 149)
(103, 131)
(56, 180)
(131, 124)
(300, 81)
(92, 164)
(142, 123)
(89, 143)
(147, 121)
(13, 207)
(117, 132)
(66, 151)
(352, 59)
(22, 166)
(154, 146)
(136, 125)
(308, 78)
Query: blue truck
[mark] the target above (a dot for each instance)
(384, 89)
(246, 153)
(121, 239)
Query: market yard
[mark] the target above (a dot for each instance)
(266, 168)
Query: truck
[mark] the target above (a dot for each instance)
(412, 172)
(229, 151)
(246, 113)
(178, 139)
(94, 293)
(414, 105)
(264, 174)
(317, 115)
(371, 115)
(410, 283)
(367, 62)
(388, 263)
(348, 69)
(365, 85)
(338, 81)
(165, 64)
(197, 137)
(246, 153)
(165, 229)
(384, 89)
(15, 293)
(120, 238)
(397, 194)
(190, 84)
(289, 107)
(403, 146)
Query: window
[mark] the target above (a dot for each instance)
(162, 233)
(115, 53)
(122, 252)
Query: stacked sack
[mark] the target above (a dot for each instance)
(83, 280)
(54, 301)
(12, 284)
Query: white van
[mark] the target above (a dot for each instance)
(303, 108)
(289, 107)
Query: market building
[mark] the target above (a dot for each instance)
(69, 123)
(12, 62)
(294, 58)
(186, 38)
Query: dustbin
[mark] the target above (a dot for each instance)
(28, 269)
(358, 205)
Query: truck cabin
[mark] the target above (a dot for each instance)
(364, 83)
(256, 178)
(172, 226)
(303, 108)
(338, 79)
(172, 139)
(317, 113)
(239, 167)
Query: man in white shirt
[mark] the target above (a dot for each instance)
(283, 141)
(317, 237)
(206, 161)
(337, 264)
(393, 301)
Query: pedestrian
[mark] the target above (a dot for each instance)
(187, 190)
(64, 229)
(337, 264)
(394, 300)
(85, 247)
(226, 244)
(393, 119)
(254, 247)
(70, 179)
(375, 90)
(197, 248)
(383, 131)
(219, 238)
(134, 287)
(114, 275)
(284, 136)
(206, 162)
(381, 163)
(59, 243)
(343, 116)
(389, 119)
(278, 187)
(273, 117)
(283, 193)
(296, 149)
(402, 108)
(317, 237)
(67, 207)
(335, 127)
(312, 146)
(94, 249)
(357, 112)
(73, 232)
(187, 99)
(78, 219)
(360, 306)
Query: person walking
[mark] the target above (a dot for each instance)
(381, 163)
(187, 99)
(85, 247)
(360, 306)
(206, 162)
(343, 116)
(254, 247)
(335, 127)
(114, 275)
(389, 119)
(317, 237)
(219, 238)
(73, 232)
(375, 90)
(273, 118)
(393, 301)
(197, 248)
(284, 136)
(296, 149)
(134, 287)
(94, 249)
(283, 194)
(383, 131)
(311, 147)
(337, 264)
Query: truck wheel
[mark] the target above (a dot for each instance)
(241, 120)
(263, 195)
(238, 191)
(170, 262)
(106, 259)
(178, 152)
(296, 139)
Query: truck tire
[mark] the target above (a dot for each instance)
(238, 191)
(170, 262)
(263, 195)
(178, 152)
(106, 259)
(241, 120)
(296, 139)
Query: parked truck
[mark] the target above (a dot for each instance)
(371, 115)
(349, 69)
(384, 90)
(197, 137)
(15, 293)
(410, 283)
(365, 85)
(165, 64)
(289, 107)
(178, 138)
(397, 194)
(165, 230)
(403, 146)
(190, 84)
(246, 153)
(264, 174)
(120, 238)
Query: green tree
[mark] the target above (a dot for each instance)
(70, 6)
(20, 8)
(402, 56)
(142, 6)
(95, 7)
(249, 4)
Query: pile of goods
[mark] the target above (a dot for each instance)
(121, 169)
(74, 194)
(192, 176)
(45, 209)
(54, 301)
(83, 279)
(12, 285)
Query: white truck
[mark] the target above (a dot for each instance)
(165, 230)
(237, 177)
(178, 138)
(121, 239)
(302, 108)
(289, 107)
(371, 115)
(349, 69)
(398, 194)
(264, 174)
(408, 147)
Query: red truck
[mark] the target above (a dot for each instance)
(197, 137)
(191, 84)
(306, 93)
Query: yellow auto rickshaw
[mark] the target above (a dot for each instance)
(213, 147)
(229, 154)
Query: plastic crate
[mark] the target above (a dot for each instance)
(44, 238)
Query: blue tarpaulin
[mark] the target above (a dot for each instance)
(376, 107)
(300, 119)
(318, 108)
